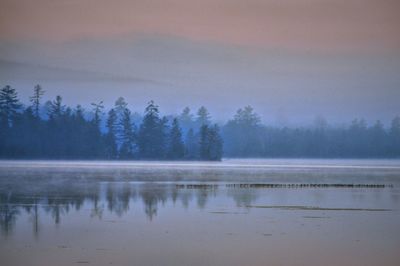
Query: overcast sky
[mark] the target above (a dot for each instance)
(290, 59)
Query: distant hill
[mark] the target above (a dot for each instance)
(10, 71)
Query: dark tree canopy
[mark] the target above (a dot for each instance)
(9, 105)
(176, 147)
(151, 133)
(56, 131)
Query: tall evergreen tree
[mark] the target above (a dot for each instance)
(95, 140)
(80, 137)
(210, 143)
(243, 133)
(204, 144)
(151, 139)
(56, 108)
(97, 112)
(119, 106)
(35, 99)
(216, 144)
(127, 149)
(9, 106)
(176, 148)
(186, 119)
(191, 145)
(110, 138)
(203, 117)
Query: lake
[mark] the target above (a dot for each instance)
(234, 212)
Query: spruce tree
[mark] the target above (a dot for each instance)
(9, 106)
(204, 144)
(38, 92)
(95, 140)
(128, 136)
(191, 145)
(119, 106)
(186, 119)
(216, 144)
(56, 108)
(176, 147)
(110, 138)
(151, 139)
(210, 144)
(203, 117)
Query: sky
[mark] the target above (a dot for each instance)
(291, 60)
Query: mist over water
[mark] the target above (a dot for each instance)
(233, 212)
(200, 133)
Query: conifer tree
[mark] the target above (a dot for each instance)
(191, 145)
(151, 139)
(110, 138)
(9, 106)
(204, 144)
(216, 144)
(128, 136)
(35, 99)
(176, 147)
(203, 117)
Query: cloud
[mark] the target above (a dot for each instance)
(307, 25)
(221, 76)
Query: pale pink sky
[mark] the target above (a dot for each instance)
(293, 58)
(319, 25)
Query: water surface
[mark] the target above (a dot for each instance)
(236, 212)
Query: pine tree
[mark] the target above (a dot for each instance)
(119, 106)
(80, 138)
(151, 139)
(9, 106)
(128, 136)
(186, 119)
(204, 144)
(56, 108)
(97, 111)
(95, 140)
(191, 145)
(216, 144)
(176, 147)
(203, 117)
(210, 143)
(38, 92)
(110, 138)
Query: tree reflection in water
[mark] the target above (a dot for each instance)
(57, 200)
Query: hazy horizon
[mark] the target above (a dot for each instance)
(291, 61)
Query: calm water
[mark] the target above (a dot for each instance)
(236, 212)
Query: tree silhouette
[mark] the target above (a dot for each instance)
(110, 138)
(151, 139)
(9, 106)
(127, 137)
(176, 148)
(65, 133)
(35, 99)
(203, 117)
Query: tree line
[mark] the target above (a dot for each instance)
(55, 131)
(246, 136)
(63, 132)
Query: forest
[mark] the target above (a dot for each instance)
(52, 130)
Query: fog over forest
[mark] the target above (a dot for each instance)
(50, 129)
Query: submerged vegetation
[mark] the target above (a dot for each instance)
(53, 130)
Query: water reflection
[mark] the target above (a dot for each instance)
(57, 201)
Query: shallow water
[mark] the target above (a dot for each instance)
(237, 212)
